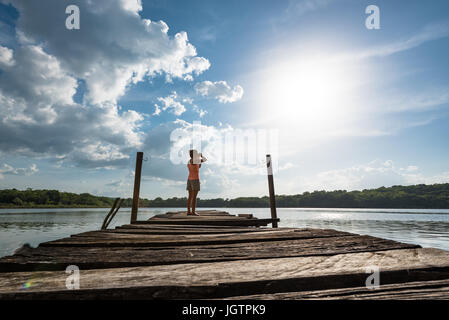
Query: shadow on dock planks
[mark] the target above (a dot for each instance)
(216, 256)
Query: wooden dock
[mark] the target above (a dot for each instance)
(220, 256)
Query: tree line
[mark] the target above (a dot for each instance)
(417, 196)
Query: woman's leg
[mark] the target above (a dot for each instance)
(194, 195)
(189, 201)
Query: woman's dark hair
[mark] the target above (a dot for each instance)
(191, 154)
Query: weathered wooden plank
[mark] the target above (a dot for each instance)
(181, 226)
(232, 278)
(421, 290)
(119, 234)
(218, 221)
(178, 231)
(174, 232)
(198, 231)
(102, 239)
(200, 212)
(50, 258)
(203, 214)
(197, 218)
(266, 232)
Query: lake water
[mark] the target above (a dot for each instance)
(428, 228)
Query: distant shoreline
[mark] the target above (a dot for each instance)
(421, 196)
(58, 207)
(54, 207)
(183, 207)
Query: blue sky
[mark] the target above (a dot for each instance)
(353, 108)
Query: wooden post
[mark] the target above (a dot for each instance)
(271, 189)
(137, 176)
(109, 214)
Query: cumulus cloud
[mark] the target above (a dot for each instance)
(32, 87)
(6, 169)
(170, 103)
(157, 110)
(6, 57)
(219, 90)
(39, 120)
(174, 104)
(114, 49)
(201, 112)
(373, 175)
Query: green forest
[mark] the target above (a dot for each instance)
(418, 196)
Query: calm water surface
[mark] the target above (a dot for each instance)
(428, 228)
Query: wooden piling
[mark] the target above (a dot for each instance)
(103, 226)
(271, 190)
(137, 177)
(112, 214)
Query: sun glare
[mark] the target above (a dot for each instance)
(313, 94)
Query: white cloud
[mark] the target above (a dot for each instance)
(40, 118)
(6, 57)
(172, 104)
(373, 175)
(187, 100)
(409, 169)
(219, 90)
(114, 48)
(32, 87)
(134, 6)
(6, 169)
(157, 110)
(200, 111)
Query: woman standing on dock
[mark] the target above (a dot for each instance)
(193, 182)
